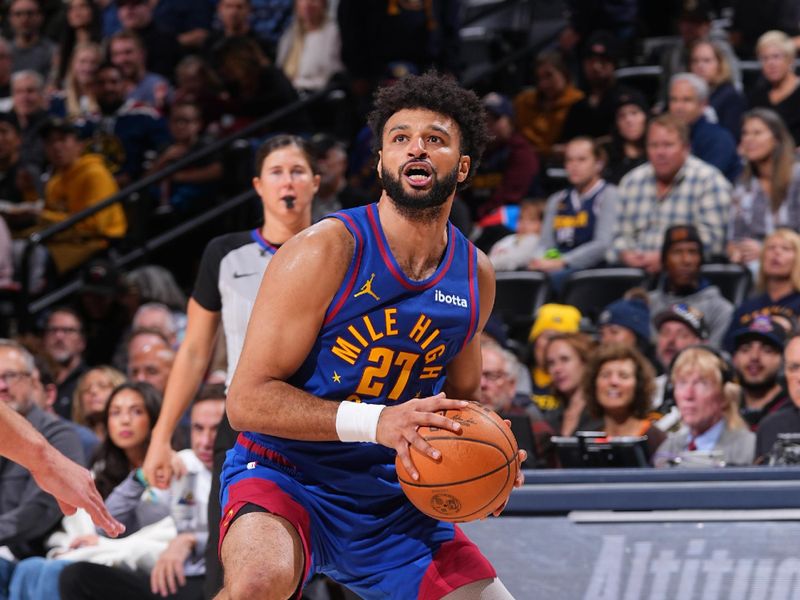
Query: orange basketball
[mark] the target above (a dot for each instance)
(475, 473)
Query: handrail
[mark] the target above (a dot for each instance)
(146, 247)
(122, 195)
(489, 11)
(529, 48)
(182, 163)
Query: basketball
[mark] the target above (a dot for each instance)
(475, 473)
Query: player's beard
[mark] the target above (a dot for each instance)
(422, 206)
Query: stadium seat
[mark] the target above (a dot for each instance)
(734, 281)
(591, 290)
(519, 295)
(645, 78)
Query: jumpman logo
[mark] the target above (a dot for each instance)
(367, 289)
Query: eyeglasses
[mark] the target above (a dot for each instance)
(24, 13)
(65, 330)
(100, 385)
(11, 377)
(494, 376)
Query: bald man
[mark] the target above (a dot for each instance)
(150, 358)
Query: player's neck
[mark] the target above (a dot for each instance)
(417, 246)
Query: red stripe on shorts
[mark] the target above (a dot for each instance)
(273, 499)
(456, 563)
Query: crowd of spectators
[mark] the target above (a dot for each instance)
(666, 178)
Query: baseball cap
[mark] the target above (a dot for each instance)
(99, 276)
(57, 124)
(602, 44)
(761, 328)
(632, 314)
(498, 105)
(688, 315)
(680, 233)
(697, 11)
(556, 317)
(631, 96)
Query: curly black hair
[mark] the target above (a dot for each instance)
(440, 94)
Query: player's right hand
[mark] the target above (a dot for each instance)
(398, 426)
(158, 464)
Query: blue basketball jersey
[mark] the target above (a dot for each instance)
(385, 339)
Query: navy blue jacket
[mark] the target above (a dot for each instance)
(715, 145)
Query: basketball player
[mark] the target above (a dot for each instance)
(230, 273)
(357, 323)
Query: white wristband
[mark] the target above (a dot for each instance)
(357, 421)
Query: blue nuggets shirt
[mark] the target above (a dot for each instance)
(385, 339)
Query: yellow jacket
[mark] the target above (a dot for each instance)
(543, 127)
(85, 183)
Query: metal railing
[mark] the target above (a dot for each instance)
(40, 237)
(33, 306)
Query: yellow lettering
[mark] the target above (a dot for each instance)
(434, 354)
(420, 328)
(570, 221)
(431, 337)
(357, 335)
(346, 351)
(374, 336)
(391, 321)
(430, 372)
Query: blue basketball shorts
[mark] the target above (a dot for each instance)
(398, 554)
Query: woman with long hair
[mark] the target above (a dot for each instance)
(83, 26)
(618, 386)
(309, 52)
(780, 88)
(778, 283)
(566, 357)
(708, 61)
(79, 81)
(130, 414)
(767, 194)
(91, 397)
(626, 150)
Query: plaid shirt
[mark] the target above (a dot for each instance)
(700, 195)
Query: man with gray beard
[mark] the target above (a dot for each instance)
(64, 343)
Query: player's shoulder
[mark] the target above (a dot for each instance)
(485, 267)
(326, 240)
